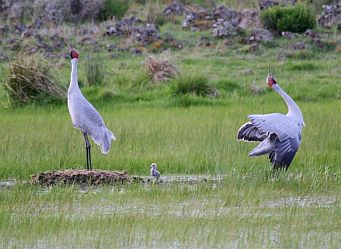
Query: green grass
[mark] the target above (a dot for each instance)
(184, 135)
(247, 209)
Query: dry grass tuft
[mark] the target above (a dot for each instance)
(160, 69)
(29, 77)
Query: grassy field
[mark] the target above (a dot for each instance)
(187, 136)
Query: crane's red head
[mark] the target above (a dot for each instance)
(271, 80)
(74, 54)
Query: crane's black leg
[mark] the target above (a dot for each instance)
(90, 163)
(88, 155)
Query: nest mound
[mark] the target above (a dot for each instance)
(83, 177)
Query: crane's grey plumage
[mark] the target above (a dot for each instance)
(85, 117)
(279, 135)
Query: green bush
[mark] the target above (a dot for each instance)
(197, 85)
(296, 18)
(112, 8)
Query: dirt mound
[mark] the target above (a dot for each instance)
(83, 177)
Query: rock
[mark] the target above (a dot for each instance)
(222, 20)
(147, 35)
(198, 21)
(261, 35)
(330, 16)
(231, 16)
(312, 34)
(20, 28)
(225, 22)
(265, 4)
(132, 27)
(298, 45)
(175, 9)
(249, 19)
(123, 27)
(111, 47)
(288, 34)
(111, 30)
(222, 28)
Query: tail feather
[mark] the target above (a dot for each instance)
(106, 142)
(103, 139)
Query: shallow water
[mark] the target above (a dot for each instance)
(301, 201)
(7, 183)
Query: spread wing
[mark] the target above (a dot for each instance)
(286, 130)
(277, 123)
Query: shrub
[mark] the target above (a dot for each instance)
(29, 79)
(112, 8)
(296, 18)
(194, 84)
(95, 71)
(160, 69)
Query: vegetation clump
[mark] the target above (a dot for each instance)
(160, 69)
(194, 84)
(295, 19)
(30, 79)
(95, 71)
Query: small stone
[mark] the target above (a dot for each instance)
(261, 35)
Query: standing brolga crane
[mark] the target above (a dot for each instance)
(85, 117)
(279, 135)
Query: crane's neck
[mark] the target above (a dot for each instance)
(293, 110)
(74, 80)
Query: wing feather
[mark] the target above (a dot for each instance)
(249, 132)
(284, 152)
(277, 123)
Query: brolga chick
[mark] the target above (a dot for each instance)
(85, 117)
(153, 171)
